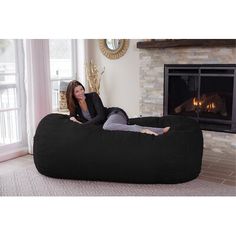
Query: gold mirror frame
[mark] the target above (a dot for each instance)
(114, 54)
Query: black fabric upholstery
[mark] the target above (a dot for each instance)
(65, 149)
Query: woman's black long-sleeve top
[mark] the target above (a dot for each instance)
(97, 111)
(95, 107)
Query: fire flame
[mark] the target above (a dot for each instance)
(197, 102)
(211, 106)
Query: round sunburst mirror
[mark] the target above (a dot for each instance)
(113, 48)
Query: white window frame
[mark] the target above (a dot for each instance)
(74, 59)
(13, 150)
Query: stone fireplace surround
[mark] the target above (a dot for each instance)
(151, 76)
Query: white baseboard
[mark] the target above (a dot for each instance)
(13, 154)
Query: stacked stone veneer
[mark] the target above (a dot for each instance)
(152, 83)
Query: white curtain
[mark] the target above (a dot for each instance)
(38, 85)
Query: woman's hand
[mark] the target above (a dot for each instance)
(74, 120)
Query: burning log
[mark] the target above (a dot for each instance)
(207, 103)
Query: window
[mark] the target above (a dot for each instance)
(12, 106)
(63, 68)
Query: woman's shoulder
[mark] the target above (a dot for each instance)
(91, 94)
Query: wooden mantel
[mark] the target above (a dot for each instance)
(169, 43)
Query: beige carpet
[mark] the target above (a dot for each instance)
(28, 182)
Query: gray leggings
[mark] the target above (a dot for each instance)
(117, 121)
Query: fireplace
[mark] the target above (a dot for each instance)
(205, 92)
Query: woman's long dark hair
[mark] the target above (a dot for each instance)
(70, 98)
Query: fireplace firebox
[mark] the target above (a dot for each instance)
(205, 92)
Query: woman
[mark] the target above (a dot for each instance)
(87, 108)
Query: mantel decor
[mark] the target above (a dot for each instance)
(170, 43)
(113, 48)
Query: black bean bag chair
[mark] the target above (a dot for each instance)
(64, 149)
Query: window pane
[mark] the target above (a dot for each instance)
(59, 95)
(11, 86)
(9, 127)
(60, 58)
(7, 56)
(7, 79)
(8, 98)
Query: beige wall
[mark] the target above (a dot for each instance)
(120, 82)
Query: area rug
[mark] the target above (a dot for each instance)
(29, 182)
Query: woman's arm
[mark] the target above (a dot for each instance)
(100, 110)
(72, 118)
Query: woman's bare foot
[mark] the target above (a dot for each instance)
(147, 131)
(166, 129)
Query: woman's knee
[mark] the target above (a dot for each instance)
(112, 126)
(106, 126)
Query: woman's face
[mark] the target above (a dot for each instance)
(79, 92)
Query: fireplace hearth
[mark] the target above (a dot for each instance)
(205, 92)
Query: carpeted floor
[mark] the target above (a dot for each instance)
(28, 182)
